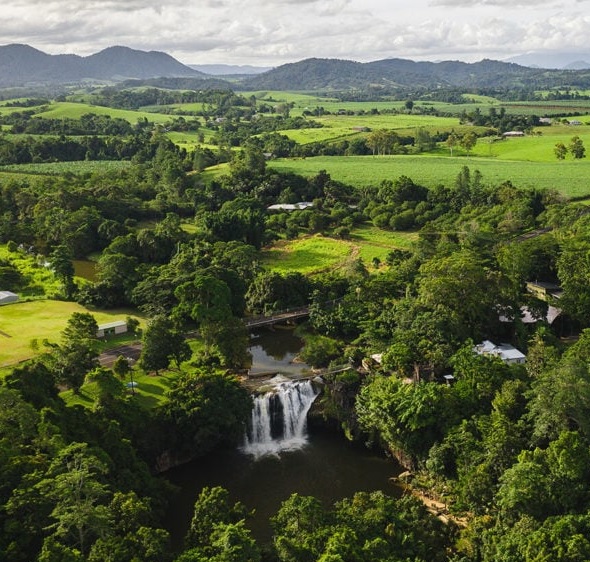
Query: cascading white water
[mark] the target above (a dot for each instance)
(279, 419)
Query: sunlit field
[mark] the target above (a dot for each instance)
(23, 322)
(315, 254)
(568, 177)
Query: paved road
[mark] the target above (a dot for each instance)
(131, 351)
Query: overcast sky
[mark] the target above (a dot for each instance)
(273, 32)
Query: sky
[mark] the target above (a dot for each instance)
(275, 32)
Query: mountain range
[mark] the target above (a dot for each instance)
(22, 65)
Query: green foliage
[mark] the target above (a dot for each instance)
(319, 351)
(406, 417)
(206, 409)
(162, 343)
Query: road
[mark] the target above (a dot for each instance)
(132, 351)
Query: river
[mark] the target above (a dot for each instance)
(322, 464)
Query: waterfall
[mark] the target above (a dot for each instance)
(279, 419)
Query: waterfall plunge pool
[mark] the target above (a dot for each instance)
(327, 467)
(281, 459)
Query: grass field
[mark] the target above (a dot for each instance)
(568, 177)
(23, 322)
(316, 254)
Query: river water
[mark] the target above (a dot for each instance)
(319, 463)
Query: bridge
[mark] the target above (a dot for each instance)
(283, 315)
(275, 318)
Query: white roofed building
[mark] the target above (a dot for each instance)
(506, 352)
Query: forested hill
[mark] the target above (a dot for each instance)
(23, 65)
(315, 74)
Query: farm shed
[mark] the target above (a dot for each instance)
(513, 134)
(111, 328)
(6, 297)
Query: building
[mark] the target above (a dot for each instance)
(543, 290)
(513, 134)
(528, 317)
(506, 352)
(6, 297)
(111, 328)
(302, 205)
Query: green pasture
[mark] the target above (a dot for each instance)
(568, 177)
(72, 110)
(61, 168)
(316, 254)
(532, 147)
(26, 321)
(4, 110)
(375, 242)
(190, 140)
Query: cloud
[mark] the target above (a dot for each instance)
(496, 3)
(271, 32)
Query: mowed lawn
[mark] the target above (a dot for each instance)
(23, 322)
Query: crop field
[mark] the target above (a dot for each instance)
(315, 254)
(568, 177)
(339, 127)
(23, 322)
(72, 110)
(61, 168)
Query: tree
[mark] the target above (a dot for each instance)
(206, 409)
(63, 267)
(73, 359)
(74, 483)
(468, 141)
(211, 509)
(162, 343)
(560, 151)
(452, 142)
(576, 148)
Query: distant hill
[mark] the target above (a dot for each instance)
(230, 69)
(571, 61)
(331, 74)
(22, 65)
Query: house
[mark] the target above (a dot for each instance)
(111, 328)
(544, 290)
(290, 206)
(506, 352)
(6, 297)
(527, 317)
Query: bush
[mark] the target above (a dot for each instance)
(318, 351)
